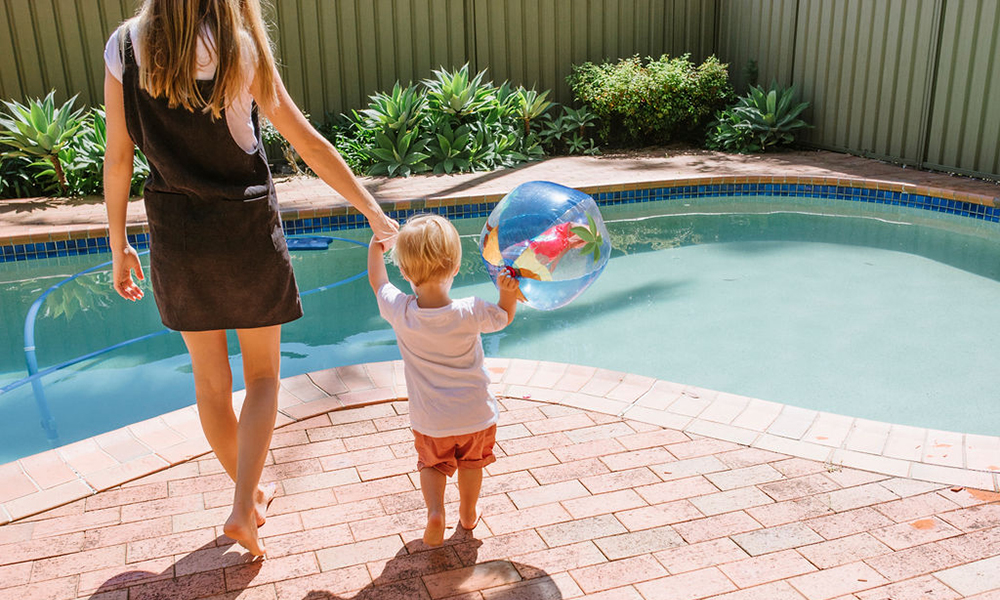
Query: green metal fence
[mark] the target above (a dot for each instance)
(914, 81)
(335, 53)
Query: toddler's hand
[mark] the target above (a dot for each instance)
(506, 283)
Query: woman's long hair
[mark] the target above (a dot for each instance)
(167, 31)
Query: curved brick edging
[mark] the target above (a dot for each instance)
(56, 477)
(70, 241)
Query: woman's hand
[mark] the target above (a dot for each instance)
(385, 232)
(124, 263)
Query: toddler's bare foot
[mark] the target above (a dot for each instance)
(434, 532)
(244, 531)
(468, 519)
(262, 501)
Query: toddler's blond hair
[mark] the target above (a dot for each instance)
(428, 248)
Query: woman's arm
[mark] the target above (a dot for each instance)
(324, 159)
(118, 157)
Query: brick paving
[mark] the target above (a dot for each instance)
(610, 486)
(605, 508)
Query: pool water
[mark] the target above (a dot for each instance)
(872, 311)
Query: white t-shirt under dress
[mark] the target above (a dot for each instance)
(442, 354)
(237, 114)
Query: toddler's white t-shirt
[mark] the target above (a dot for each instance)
(443, 360)
(238, 114)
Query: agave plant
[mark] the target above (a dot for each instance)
(400, 110)
(450, 149)
(41, 131)
(457, 94)
(771, 115)
(507, 98)
(530, 106)
(569, 131)
(402, 153)
(83, 160)
(731, 133)
(579, 119)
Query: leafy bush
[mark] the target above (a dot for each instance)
(653, 100)
(350, 138)
(759, 120)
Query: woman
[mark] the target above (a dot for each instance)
(184, 81)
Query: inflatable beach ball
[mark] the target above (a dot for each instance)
(551, 237)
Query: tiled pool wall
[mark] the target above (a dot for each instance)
(984, 208)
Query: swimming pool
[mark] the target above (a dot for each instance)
(870, 310)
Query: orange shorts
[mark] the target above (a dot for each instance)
(447, 454)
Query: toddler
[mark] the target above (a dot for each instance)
(452, 414)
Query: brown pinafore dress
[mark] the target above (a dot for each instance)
(218, 258)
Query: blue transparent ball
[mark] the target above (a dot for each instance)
(551, 237)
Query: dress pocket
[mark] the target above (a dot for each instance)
(278, 238)
(167, 217)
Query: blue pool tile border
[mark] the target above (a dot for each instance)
(298, 226)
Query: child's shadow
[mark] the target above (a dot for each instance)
(409, 575)
(406, 575)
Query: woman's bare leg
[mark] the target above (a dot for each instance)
(240, 445)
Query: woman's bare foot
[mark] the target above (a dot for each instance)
(244, 531)
(262, 501)
(434, 532)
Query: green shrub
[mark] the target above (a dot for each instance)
(759, 120)
(651, 101)
(350, 137)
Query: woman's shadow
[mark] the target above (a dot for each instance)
(414, 573)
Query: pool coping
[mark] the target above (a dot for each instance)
(70, 240)
(49, 479)
(111, 459)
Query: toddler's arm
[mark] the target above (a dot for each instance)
(508, 287)
(377, 275)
